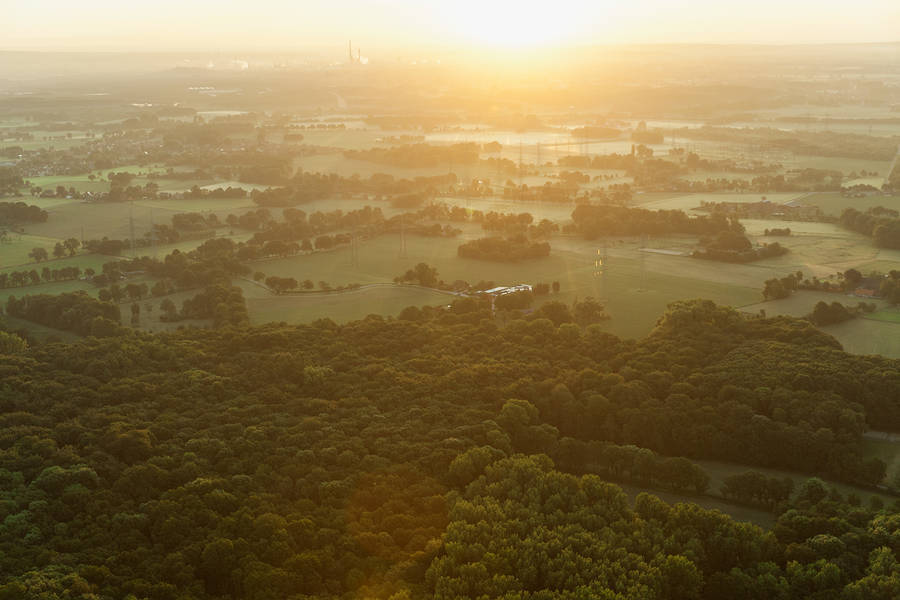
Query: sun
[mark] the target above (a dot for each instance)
(510, 24)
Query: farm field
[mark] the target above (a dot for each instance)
(113, 220)
(838, 163)
(14, 251)
(83, 261)
(889, 315)
(833, 203)
(216, 205)
(866, 336)
(858, 336)
(337, 163)
(265, 307)
(637, 285)
(100, 183)
(637, 304)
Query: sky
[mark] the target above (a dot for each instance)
(284, 25)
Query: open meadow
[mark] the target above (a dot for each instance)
(862, 335)
(640, 278)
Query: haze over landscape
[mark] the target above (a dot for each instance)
(407, 300)
(385, 25)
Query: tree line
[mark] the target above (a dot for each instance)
(511, 249)
(879, 223)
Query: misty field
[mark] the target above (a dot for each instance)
(636, 285)
(637, 301)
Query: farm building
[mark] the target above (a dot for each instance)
(503, 290)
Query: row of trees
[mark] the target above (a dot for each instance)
(887, 286)
(62, 249)
(734, 246)
(831, 314)
(593, 221)
(881, 224)
(13, 279)
(511, 249)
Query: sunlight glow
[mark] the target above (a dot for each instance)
(511, 24)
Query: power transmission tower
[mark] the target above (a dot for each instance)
(521, 169)
(354, 243)
(403, 253)
(643, 257)
(131, 226)
(354, 250)
(601, 269)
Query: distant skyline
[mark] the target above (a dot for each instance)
(382, 25)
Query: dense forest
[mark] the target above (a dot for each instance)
(437, 455)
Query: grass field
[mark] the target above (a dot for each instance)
(859, 336)
(634, 301)
(865, 336)
(100, 183)
(113, 220)
(889, 315)
(45, 203)
(349, 306)
(14, 252)
(833, 203)
(60, 287)
(218, 206)
(636, 285)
